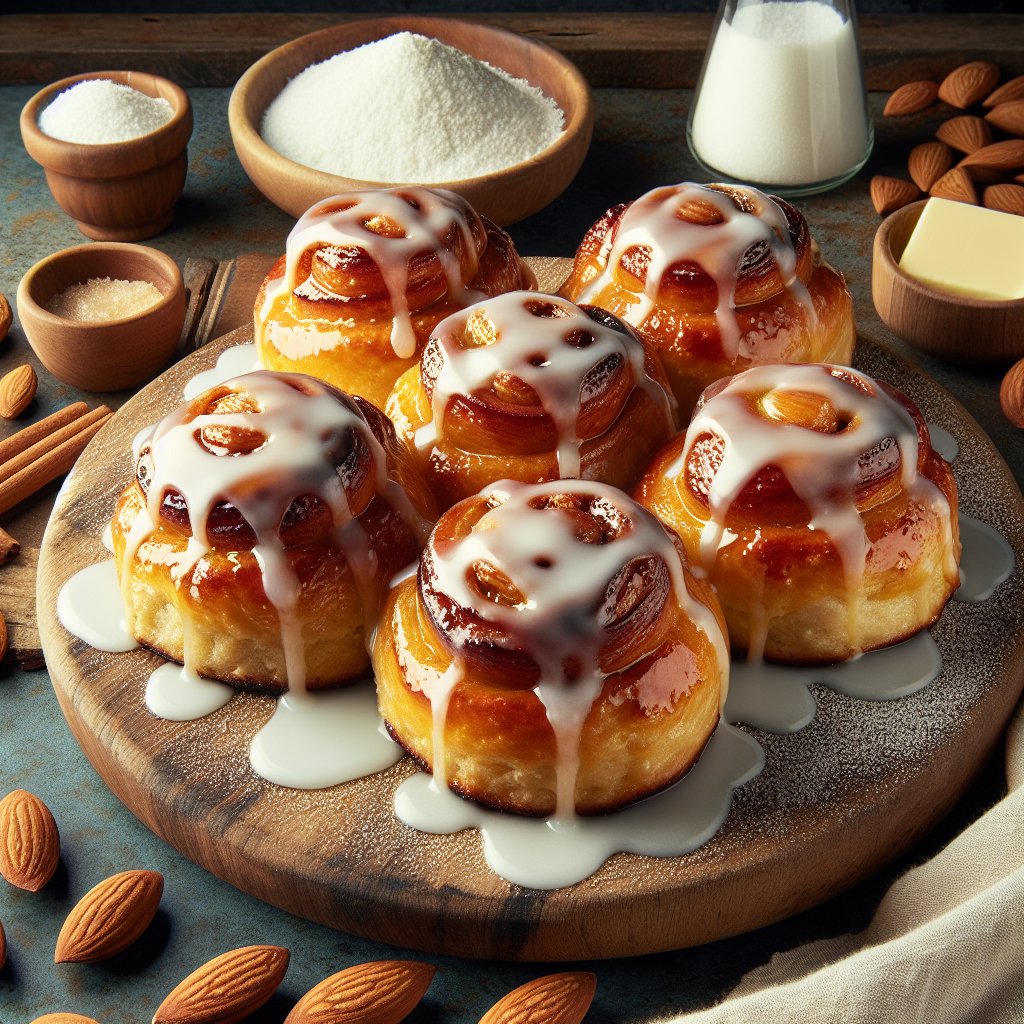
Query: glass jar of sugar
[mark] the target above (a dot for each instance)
(781, 101)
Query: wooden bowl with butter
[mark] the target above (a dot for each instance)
(103, 354)
(958, 327)
(504, 196)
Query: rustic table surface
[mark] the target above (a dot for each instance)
(643, 69)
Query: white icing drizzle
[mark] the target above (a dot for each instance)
(232, 362)
(563, 579)
(535, 338)
(89, 606)
(777, 698)
(652, 223)
(341, 223)
(986, 561)
(178, 694)
(555, 852)
(821, 467)
(317, 740)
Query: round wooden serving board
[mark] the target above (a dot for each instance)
(835, 802)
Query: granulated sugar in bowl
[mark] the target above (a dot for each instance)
(409, 108)
(98, 111)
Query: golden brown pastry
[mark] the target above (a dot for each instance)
(531, 387)
(717, 278)
(553, 655)
(366, 277)
(256, 543)
(814, 501)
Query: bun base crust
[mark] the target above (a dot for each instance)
(500, 749)
(787, 584)
(234, 632)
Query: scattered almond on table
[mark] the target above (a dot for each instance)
(17, 389)
(6, 317)
(989, 164)
(553, 999)
(226, 988)
(63, 1018)
(29, 841)
(379, 992)
(1011, 394)
(109, 917)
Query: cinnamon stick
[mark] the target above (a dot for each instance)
(50, 465)
(49, 441)
(25, 438)
(9, 547)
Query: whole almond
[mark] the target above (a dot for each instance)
(4, 638)
(1007, 92)
(29, 841)
(6, 317)
(955, 184)
(929, 162)
(1008, 116)
(17, 389)
(109, 917)
(911, 98)
(888, 194)
(968, 84)
(1008, 198)
(226, 988)
(1011, 394)
(380, 992)
(553, 999)
(965, 133)
(63, 1018)
(1007, 155)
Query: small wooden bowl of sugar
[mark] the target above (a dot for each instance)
(409, 100)
(105, 316)
(114, 146)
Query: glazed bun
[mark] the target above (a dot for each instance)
(258, 538)
(531, 387)
(366, 277)
(814, 501)
(717, 278)
(553, 655)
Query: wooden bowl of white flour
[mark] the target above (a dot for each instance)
(500, 119)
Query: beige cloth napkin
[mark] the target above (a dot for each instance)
(945, 946)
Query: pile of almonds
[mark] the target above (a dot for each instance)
(116, 912)
(976, 157)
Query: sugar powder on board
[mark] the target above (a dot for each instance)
(409, 109)
(98, 111)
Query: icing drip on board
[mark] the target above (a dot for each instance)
(548, 343)
(653, 223)
(425, 227)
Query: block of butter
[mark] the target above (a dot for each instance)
(967, 250)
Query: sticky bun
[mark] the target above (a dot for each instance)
(366, 277)
(718, 278)
(553, 655)
(531, 387)
(266, 518)
(814, 501)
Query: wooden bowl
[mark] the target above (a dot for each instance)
(954, 327)
(123, 191)
(504, 196)
(107, 355)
